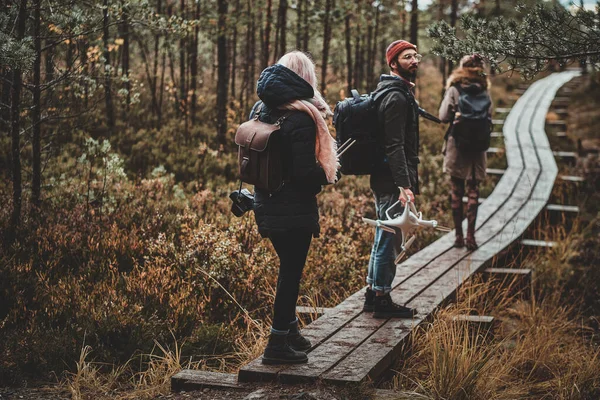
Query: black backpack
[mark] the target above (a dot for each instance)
(472, 129)
(355, 119)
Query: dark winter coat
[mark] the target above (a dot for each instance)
(294, 206)
(398, 115)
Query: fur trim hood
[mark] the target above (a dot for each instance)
(469, 76)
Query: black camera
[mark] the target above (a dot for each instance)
(243, 201)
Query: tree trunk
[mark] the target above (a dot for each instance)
(251, 54)
(305, 25)
(162, 87)
(403, 18)
(414, 22)
(299, 19)
(222, 73)
(5, 100)
(110, 114)
(442, 59)
(373, 76)
(194, 66)
(234, 46)
(283, 6)
(125, 31)
(267, 37)
(15, 132)
(357, 46)
(348, 34)
(36, 113)
(182, 87)
(453, 17)
(326, 41)
(153, 87)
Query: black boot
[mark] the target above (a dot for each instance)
(369, 300)
(278, 351)
(385, 308)
(296, 340)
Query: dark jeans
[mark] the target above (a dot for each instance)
(292, 249)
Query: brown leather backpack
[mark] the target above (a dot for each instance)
(259, 153)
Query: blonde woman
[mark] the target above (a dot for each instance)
(289, 217)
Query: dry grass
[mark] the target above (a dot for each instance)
(153, 377)
(538, 349)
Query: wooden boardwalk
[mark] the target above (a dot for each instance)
(350, 346)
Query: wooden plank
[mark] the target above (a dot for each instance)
(476, 323)
(565, 154)
(495, 150)
(570, 178)
(562, 208)
(498, 121)
(503, 110)
(557, 123)
(474, 319)
(496, 134)
(538, 243)
(517, 279)
(560, 134)
(507, 271)
(312, 310)
(188, 380)
(495, 171)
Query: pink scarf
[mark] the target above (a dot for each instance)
(325, 146)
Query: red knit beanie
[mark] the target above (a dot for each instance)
(396, 48)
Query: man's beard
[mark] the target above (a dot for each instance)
(407, 74)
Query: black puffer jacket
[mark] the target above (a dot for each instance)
(294, 206)
(399, 121)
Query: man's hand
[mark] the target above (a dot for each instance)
(410, 195)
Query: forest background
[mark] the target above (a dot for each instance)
(117, 159)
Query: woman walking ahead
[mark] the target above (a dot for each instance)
(289, 217)
(469, 81)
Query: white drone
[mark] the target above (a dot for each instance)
(406, 223)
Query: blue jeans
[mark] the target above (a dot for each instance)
(386, 246)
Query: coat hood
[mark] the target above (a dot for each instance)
(278, 85)
(470, 79)
(386, 81)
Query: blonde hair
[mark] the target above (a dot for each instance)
(304, 67)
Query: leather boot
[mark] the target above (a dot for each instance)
(472, 206)
(296, 340)
(457, 217)
(456, 204)
(278, 351)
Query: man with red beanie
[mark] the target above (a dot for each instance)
(399, 148)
